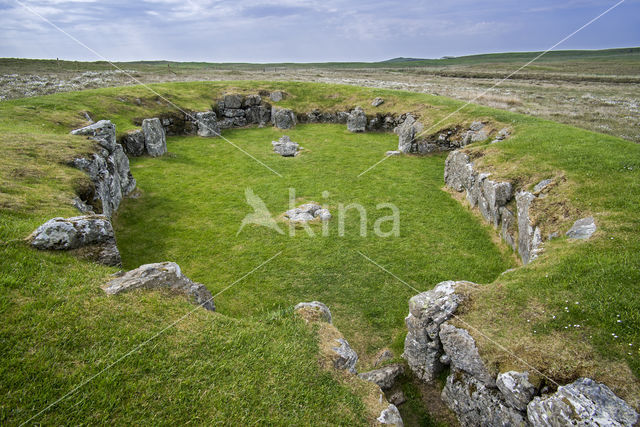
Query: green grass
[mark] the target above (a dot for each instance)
(193, 203)
(252, 361)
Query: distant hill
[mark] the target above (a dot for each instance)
(402, 59)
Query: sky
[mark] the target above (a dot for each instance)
(306, 31)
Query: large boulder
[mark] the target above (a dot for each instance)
(207, 124)
(391, 416)
(427, 311)
(285, 146)
(133, 143)
(385, 377)
(477, 404)
(283, 118)
(581, 403)
(155, 140)
(357, 120)
(460, 347)
(108, 168)
(158, 276)
(91, 235)
(516, 389)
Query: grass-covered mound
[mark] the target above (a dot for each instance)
(252, 364)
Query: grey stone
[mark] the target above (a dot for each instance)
(407, 132)
(581, 403)
(93, 233)
(316, 306)
(427, 311)
(393, 153)
(516, 389)
(233, 112)
(161, 275)
(82, 206)
(282, 118)
(346, 358)
(458, 172)
(108, 168)
(285, 147)
(357, 120)
(155, 140)
(207, 124)
(391, 416)
(308, 212)
(529, 235)
(233, 101)
(251, 101)
(582, 229)
(384, 377)
(260, 114)
(509, 228)
(397, 398)
(133, 143)
(276, 96)
(461, 349)
(377, 102)
(542, 185)
(477, 404)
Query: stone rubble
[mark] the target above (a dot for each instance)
(308, 212)
(285, 147)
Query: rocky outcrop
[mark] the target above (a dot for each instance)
(207, 124)
(155, 141)
(357, 120)
(163, 275)
(285, 147)
(384, 377)
(582, 229)
(472, 391)
(91, 235)
(308, 212)
(282, 118)
(494, 199)
(583, 403)
(427, 311)
(108, 168)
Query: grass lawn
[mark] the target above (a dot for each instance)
(253, 362)
(193, 203)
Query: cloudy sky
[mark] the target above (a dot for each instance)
(306, 31)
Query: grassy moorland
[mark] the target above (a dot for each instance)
(253, 362)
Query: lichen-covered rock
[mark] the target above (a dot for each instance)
(357, 120)
(509, 227)
(161, 275)
(407, 134)
(155, 140)
(490, 196)
(233, 101)
(391, 416)
(458, 171)
(314, 310)
(516, 389)
(251, 101)
(307, 212)
(477, 404)
(276, 96)
(385, 377)
(133, 143)
(477, 132)
(282, 118)
(285, 146)
(93, 233)
(207, 124)
(345, 357)
(108, 168)
(529, 235)
(463, 353)
(582, 229)
(427, 311)
(377, 102)
(581, 403)
(258, 114)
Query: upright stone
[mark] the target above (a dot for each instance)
(155, 140)
(207, 124)
(357, 120)
(283, 118)
(133, 143)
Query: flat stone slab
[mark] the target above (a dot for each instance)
(308, 212)
(161, 275)
(582, 229)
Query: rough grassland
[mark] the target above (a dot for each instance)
(59, 329)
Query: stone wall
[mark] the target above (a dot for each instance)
(507, 210)
(479, 396)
